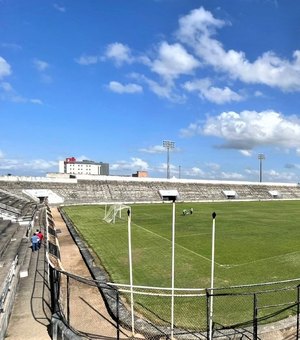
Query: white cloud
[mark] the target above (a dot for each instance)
(173, 60)
(40, 65)
(87, 60)
(195, 172)
(59, 8)
(5, 69)
(119, 53)
(211, 93)
(231, 176)
(166, 90)
(36, 101)
(6, 87)
(275, 176)
(198, 21)
(82, 158)
(133, 165)
(163, 91)
(164, 166)
(192, 130)
(9, 94)
(11, 46)
(139, 163)
(39, 165)
(249, 129)
(127, 88)
(196, 30)
(246, 153)
(154, 149)
(213, 166)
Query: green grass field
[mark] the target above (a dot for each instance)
(255, 242)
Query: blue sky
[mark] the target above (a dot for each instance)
(109, 80)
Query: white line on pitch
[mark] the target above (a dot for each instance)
(178, 245)
(260, 260)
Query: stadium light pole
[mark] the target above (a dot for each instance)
(261, 157)
(169, 145)
(212, 276)
(130, 270)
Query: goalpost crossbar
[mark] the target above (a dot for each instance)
(114, 211)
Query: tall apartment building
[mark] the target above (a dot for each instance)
(72, 166)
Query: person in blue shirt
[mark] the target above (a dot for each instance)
(35, 242)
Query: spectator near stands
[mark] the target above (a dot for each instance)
(40, 236)
(35, 242)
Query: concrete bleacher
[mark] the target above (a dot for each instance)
(15, 252)
(16, 208)
(127, 189)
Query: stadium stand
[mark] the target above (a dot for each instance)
(16, 217)
(20, 199)
(130, 190)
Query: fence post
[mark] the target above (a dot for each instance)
(52, 289)
(117, 316)
(255, 317)
(298, 310)
(68, 299)
(207, 312)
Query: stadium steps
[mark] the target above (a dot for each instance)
(8, 232)
(25, 253)
(11, 243)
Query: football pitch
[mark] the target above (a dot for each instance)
(255, 242)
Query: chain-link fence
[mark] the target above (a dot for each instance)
(98, 310)
(255, 311)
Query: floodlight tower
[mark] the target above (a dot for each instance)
(169, 146)
(261, 157)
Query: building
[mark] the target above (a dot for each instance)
(72, 166)
(140, 174)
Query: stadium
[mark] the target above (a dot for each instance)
(160, 286)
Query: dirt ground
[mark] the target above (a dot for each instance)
(87, 309)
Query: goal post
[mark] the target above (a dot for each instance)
(114, 211)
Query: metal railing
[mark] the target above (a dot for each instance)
(238, 315)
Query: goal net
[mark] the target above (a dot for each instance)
(114, 211)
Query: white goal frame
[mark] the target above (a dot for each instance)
(115, 210)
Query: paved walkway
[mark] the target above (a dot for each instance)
(31, 313)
